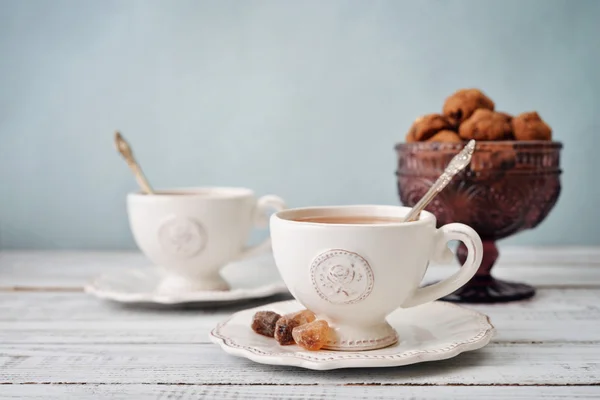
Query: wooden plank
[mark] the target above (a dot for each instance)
(544, 276)
(555, 315)
(73, 338)
(574, 266)
(61, 268)
(126, 392)
(549, 255)
(509, 255)
(72, 270)
(495, 364)
(536, 275)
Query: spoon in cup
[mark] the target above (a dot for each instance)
(457, 164)
(125, 150)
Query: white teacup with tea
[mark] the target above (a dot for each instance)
(192, 233)
(353, 265)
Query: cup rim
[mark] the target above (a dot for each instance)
(204, 192)
(426, 217)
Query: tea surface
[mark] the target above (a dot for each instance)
(350, 219)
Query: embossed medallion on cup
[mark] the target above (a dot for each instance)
(341, 277)
(182, 237)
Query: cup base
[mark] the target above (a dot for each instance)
(353, 338)
(177, 284)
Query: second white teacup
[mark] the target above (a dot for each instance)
(354, 265)
(192, 233)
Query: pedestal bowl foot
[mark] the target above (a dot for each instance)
(487, 289)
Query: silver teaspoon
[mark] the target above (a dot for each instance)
(125, 149)
(457, 164)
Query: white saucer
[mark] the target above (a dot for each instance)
(251, 279)
(433, 331)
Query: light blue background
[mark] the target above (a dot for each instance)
(304, 99)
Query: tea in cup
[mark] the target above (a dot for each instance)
(353, 265)
(192, 233)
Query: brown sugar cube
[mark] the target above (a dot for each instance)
(426, 126)
(530, 126)
(312, 336)
(302, 317)
(283, 331)
(264, 322)
(462, 104)
(485, 125)
(445, 136)
(286, 324)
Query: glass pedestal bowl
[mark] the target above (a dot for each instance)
(509, 186)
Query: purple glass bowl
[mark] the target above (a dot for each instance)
(509, 186)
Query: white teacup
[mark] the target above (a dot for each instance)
(192, 233)
(354, 265)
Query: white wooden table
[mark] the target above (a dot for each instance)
(57, 342)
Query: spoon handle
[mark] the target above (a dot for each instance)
(457, 164)
(141, 178)
(125, 150)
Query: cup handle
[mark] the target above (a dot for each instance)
(261, 220)
(474, 246)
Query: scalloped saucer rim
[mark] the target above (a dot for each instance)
(246, 343)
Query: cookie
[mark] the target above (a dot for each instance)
(485, 125)
(428, 125)
(530, 126)
(462, 104)
(445, 136)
